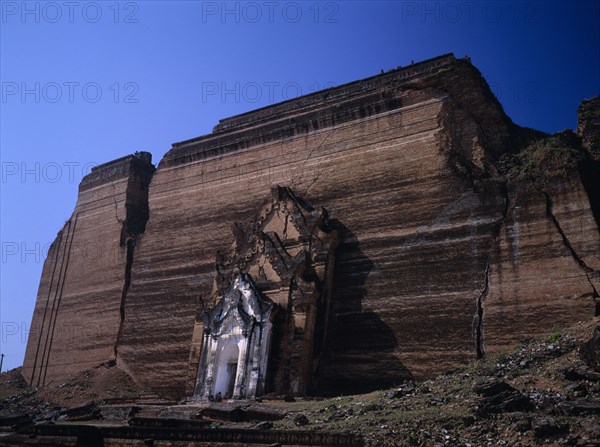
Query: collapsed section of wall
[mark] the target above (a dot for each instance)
(79, 308)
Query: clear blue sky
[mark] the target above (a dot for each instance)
(86, 82)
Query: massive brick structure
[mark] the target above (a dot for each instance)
(441, 253)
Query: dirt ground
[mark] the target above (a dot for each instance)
(102, 384)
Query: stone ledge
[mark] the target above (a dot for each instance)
(117, 169)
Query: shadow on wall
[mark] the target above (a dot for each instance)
(589, 170)
(360, 349)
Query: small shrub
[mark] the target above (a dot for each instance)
(554, 335)
(553, 156)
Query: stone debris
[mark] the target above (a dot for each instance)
(492, 387)
(529, 396)
(545, 427)
(301, 420)
(580, 408)
(264, 425)
(85, 412)
(590, 351)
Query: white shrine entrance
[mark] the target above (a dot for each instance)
(237, 333)
(227, 365)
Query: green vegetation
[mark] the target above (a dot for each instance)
(555, 335)
(550, 157)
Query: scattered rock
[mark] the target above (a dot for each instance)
(591, 426)
(548, 427)
(424, 390)
(436, 401)
(503, 402)
(373, 407)
(393, 394)
(578, 374)
(301, 420)
(500, 397)
(491, 387)
(577, 389)
(264, 425)
(338, 414)
(590, 351)
(85, 412)
(522, 425)
(405, 390)
(468, 421)
(489, 404)
(546, 400)
(580, 407)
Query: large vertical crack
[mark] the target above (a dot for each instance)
(478, 318)
(589, 272)
(133, 226)
(116, 203)
(131, 242)
(478, 326)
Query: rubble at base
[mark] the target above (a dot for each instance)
(541, 393)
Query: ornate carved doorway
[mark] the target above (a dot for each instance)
(273, 296)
